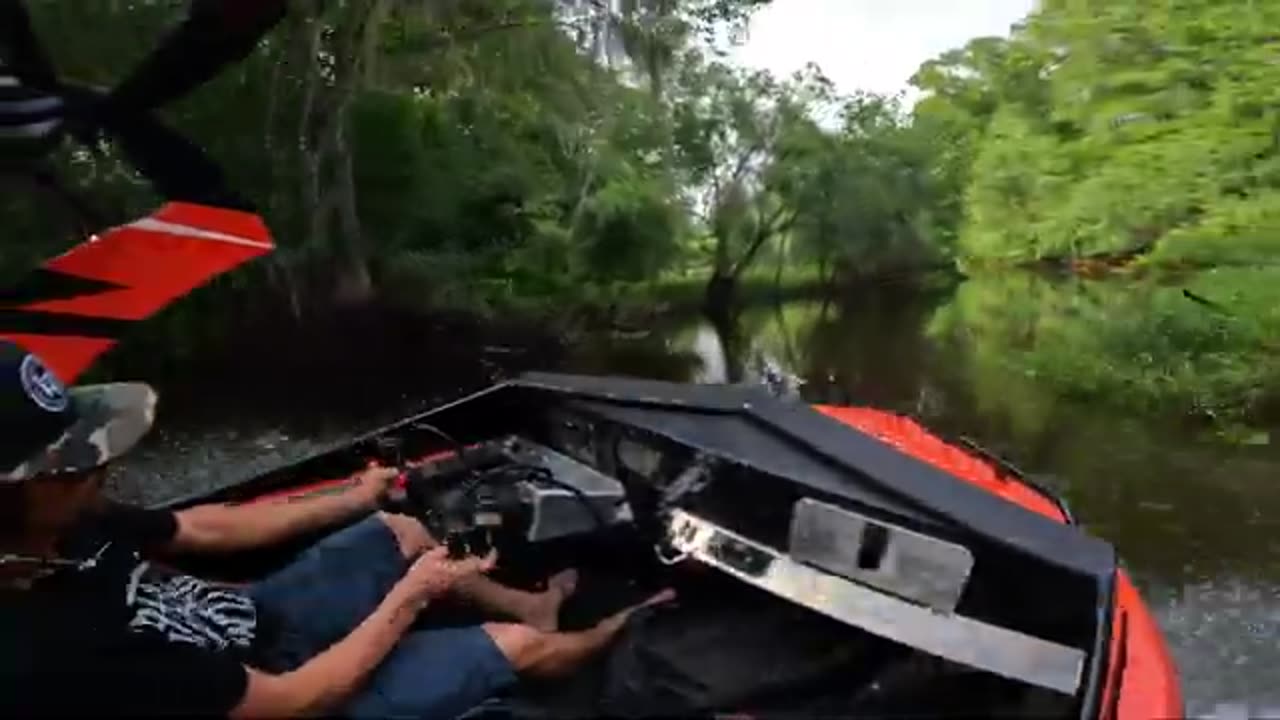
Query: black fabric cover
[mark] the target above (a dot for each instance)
(747, 653)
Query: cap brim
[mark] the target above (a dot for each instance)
(111, 419)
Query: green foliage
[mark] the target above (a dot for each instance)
(1135, 134)
(629, 230)
(498, 154)
(1133, 345)
(1112, 129)
(1238, 231)
(847, 181)
(464, 145)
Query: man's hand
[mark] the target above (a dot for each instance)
(433, 574)
(375, 483)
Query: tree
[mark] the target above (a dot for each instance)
(730, 125)
(865, 194)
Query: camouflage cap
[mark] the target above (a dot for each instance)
(46, 429)
(111, 420)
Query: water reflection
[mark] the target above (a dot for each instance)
(1195, 519)
(712, 363)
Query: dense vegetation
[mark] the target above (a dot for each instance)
(483, 154)
(1116, 129)
(554, 156)
(1141, 137)
(1137, 346)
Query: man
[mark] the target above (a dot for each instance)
(92, 626)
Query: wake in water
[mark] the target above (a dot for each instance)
(1225, 636)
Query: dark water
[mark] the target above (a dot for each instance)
(1195, 520)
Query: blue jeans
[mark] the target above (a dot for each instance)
(334, 585)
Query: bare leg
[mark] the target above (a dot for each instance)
(540, 610)
(550, 654)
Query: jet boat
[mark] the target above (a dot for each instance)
(830, 561)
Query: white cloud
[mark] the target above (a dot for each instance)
(869, 44)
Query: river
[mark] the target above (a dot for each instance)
(1194, 518)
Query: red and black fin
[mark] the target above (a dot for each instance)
(79, 304)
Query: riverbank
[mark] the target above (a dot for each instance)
(1199, 345)
(364, 358)
(223, 348)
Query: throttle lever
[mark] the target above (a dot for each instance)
(692, 480)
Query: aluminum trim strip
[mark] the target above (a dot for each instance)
(949, 636)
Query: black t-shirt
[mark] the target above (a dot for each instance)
(122, 638)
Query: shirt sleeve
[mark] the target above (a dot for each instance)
(150, 528)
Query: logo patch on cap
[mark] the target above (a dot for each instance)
(41, 385)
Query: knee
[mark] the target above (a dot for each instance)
(522, 645)
(410, 534)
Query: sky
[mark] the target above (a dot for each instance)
(869, 44)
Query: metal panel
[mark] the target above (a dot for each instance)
(950, 636)
(558, 511)
(908, 564)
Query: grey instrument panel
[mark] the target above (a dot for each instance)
(909, 564)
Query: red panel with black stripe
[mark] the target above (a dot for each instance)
(79, 304)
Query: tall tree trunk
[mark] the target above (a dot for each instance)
(725, 320)
(783, 248)
(328, 187)
(314, 227)
(762, 236)
(354, 284)
(588, 181)
(718, 295)
(722, 264)
(299, 45)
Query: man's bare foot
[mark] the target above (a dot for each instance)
(556, 654)
(615, 622)
(543, 612)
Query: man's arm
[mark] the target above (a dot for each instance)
(227, 528)
(322, 684)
